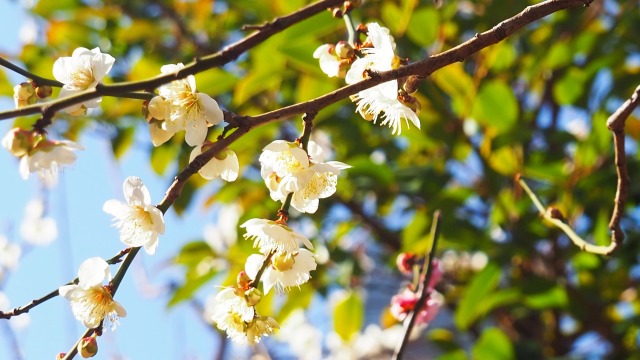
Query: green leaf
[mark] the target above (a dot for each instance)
(348, 315)
(493, 344)
(570, 87)
(423, 27)
(123, 140)
(506, 160)
(556, 297)
(501, 56)
(470, 307)
(163, 156)
(453, 355)
(193, 252)
(454, 81)
(496, 106)
(413, 233)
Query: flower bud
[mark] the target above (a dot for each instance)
(19, 141)
(61, 356)
(24, 95)
(344, 50)
(410, 102)
(243, 280)
(253, 296)
(411, 85)
(44, 91)
(405, 262)
(88, 347)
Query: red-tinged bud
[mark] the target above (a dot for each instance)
(336, 12)
(344, 50)
(88, 347)
(405, 262)
(44, 91)
(243, 280)
(61, 356)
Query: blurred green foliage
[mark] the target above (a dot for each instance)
(536, 103)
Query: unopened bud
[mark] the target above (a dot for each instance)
(44, 91)
(405, 262)
(343, 68)
(19, 141)
(337, 12)
(411, 85)
(410, 102)
(243, 280)
(23, 91)
(88, 347)
(253, 296)
(221, 155)
(344, 50)
(61, 356)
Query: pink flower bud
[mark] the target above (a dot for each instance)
(405, 262)
(88, 347)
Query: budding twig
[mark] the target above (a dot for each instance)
(427, 270)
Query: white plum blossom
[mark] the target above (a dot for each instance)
(139, 221)
(183, 108)
(83, 70)
(270, 236)
(281, 158)
(35, 227)
(286, 169)
(381, 99)
(329, 61)
(259, 327)
(286, 269)
(47, 158)
(231, 313)
(224, 165)
(91, 301)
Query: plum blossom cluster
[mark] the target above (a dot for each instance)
(405, 301)
(284, 258)
(388, 102)
(83, 70)
(286, 168)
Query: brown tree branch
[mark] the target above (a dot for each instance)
(616, 123)
(200, 64)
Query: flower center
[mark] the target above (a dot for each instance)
(283, 261)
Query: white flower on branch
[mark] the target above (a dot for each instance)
(91, 302)
(259, 327)
(139, 221)
(286, 269)
(289, 170)
(231, 313)
(270, 236)
(224, 165)
(183, 108)
(384, 98)
(83, 70)
(46, 158)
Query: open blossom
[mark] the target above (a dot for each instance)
(405, 302)
(286, 269)
(259, 327)
(381, 99)
(91, 302)
(9, 254)
(139, 221)
(231, 313)
(270, 235)
(82, 71)
(183, 108)
(286, 169)
(224, 165)
(47, 158)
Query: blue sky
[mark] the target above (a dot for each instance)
(150, 330)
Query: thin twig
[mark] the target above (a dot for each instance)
(25, 308)
(557, 221)
(37, 79)
(616, 123)
(427, 270)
